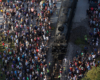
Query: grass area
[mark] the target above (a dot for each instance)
(79, 41)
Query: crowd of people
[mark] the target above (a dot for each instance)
(27, 25)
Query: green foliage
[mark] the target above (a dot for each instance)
(93, 74)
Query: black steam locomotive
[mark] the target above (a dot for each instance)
(59, 46)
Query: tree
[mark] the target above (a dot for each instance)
(93, 74)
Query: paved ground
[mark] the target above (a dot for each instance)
(79, 27)
(53, 20)
(1, 18)
(81, 8)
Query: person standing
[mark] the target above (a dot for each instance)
(3, 45)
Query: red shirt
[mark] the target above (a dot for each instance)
(96, 65)
(34, 39)
(71, 68)
(60, 71)
(3, 44)
(37, 44)
(40, 75)
(0, 0)
(32, 0)
(37, 50)
(49, 27)
(92, 8)
(41, 64)
(75, 63)
(8, 31)
(27, 27)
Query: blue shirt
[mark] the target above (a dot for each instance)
(43, 4)
(23, 56)
(15, 72)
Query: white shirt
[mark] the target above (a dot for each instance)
(45, 20)
(4, 26)
(44, 37)
(96, 12)
(28, 9)
(49, 1)
(53, 1)
(30, 77)
(48, 8)
(94, 22)
(17, 41)
(44, 79)
(65, 60)
(44, 69)
(5, 61)
(15, 44)
(96, 43)
(26, 16)
(15, 36)
(47, 38)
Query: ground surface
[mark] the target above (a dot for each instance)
(80, 28)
